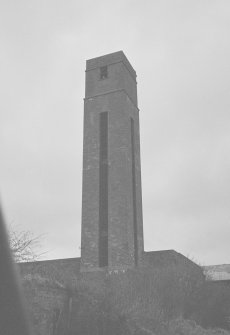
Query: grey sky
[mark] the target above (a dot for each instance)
(181, 51)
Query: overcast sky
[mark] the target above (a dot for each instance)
(181, 53)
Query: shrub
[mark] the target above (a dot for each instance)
(135, 299)
(212, 305)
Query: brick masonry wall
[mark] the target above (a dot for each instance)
(117, 96)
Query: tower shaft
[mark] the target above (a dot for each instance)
(112, 226)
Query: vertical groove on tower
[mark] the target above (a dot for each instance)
(103, 191)
(134, 193)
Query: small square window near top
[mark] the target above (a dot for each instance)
(103, 72)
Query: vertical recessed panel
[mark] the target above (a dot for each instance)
(134, 193)
(103, 72)
(103, 191)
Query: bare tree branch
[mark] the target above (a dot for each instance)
(24, 245)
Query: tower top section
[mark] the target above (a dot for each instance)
(113, 58)
(110, 73)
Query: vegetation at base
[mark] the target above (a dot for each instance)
(172, 300)
(167, 301)
(188, 327)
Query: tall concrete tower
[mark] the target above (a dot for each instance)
(112, 226)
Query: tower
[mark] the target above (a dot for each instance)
(112, 225)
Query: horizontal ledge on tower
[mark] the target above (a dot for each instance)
(112, 91)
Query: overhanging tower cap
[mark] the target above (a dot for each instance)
(115, 57)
